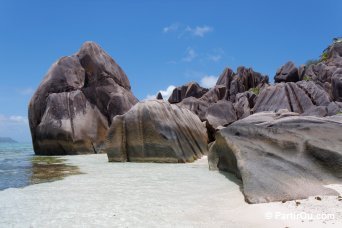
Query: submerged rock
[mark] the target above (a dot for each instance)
(73, 106)
(156, 131)
(281, 156)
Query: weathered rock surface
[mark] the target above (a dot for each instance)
(156, 131)
(336, 83)
(221, 113)
(228, 87)
(73, 107)
(159, 96)
(320, 72)
(304, 97)
(281, 156)
(287, 73)
(191, 89)
(335, 50)
(325, 72)
(199, 106)
(283, 96)
(244, 103)
(243, 80)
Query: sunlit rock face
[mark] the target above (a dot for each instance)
(72, 109)
(281, 156)
(156, 131)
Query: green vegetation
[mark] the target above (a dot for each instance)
(307, 78)
(324, 56)
(339, 113)
(255, 90)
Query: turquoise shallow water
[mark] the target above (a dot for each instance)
(15, 165)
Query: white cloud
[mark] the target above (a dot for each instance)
(214, 58)
(208, 81)
(172, 28)
(165, 93)
(26, 91)
(199, 31)
(216, 54)
(13, 119)
(189, 55)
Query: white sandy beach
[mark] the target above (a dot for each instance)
(152, 195)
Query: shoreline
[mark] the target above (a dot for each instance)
(153, 195)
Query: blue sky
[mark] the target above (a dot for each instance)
(157, 43)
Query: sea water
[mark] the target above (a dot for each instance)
(15, 165)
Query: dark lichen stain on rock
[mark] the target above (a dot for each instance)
(48, 169)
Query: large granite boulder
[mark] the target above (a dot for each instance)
(320, 72)
(281, 156)
(221, 113)
(336, 84)
(287, 73)
(244, 103)
(315, 92)
(283, 96)
(73, 107)
(304, 97)
(156, 131)
(191, 89)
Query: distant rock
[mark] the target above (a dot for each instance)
(73, 107)
(156, 131)
(243, 80)
(287, 73)
(7, 140)
(159, 96)
(227, 88)
(281, 156)
(199, 106)
(226, 77)
(191, 89)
